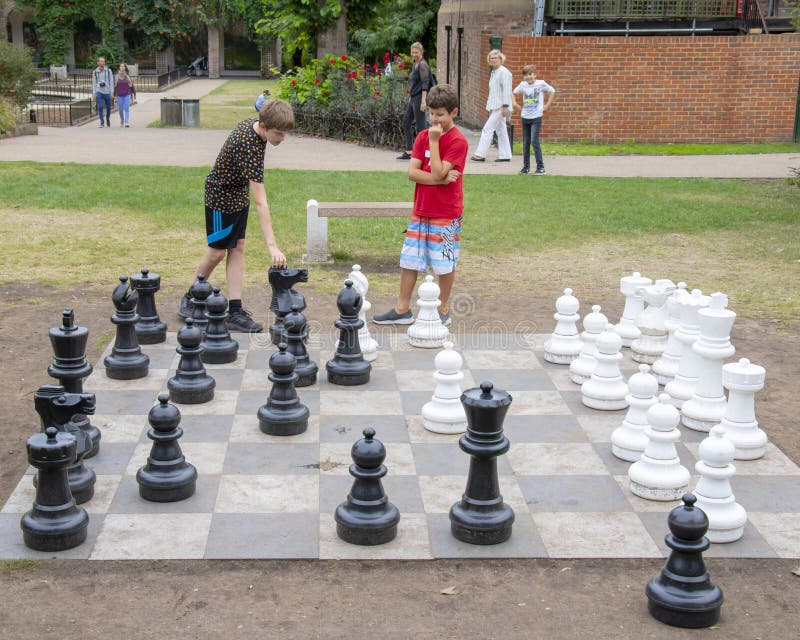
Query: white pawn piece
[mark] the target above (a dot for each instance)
(707, 406)
(742, 380)
(666, 366)
(428, 331)
(634, 305)
(681, 387)
(650, 344)
(628, 441)
(580, 369)
(444, 413)
(659, 474)
(606, 389)
(369, 347)
(726, 517)
(564, 344)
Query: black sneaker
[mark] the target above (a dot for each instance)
(243, 322)
(392, 317)
(524, 171)
(540, 172)
(404, 156)
(186, 307)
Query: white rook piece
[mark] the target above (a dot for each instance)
(444, 413)
(634, 305)
(606, 389)
(369, 348)
(666, 366)
(707, 406)
(682, 386)
(659, 474)
(726, 517)
(580, 369)
(742, 380)
(428, 331)
(564, 344)
(629, 440)
(651, 323)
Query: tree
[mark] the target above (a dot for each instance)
(405, 22)
(17, 76)
(55, 22)
(162, 22)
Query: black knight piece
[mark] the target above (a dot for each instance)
(284, 297)
(367, 517)
(481, 517)
(348, 367)
(149, 328)
(200, 291)
(682, 595)
(126, 362)
(295, 329)
(283, 414)
(190, 384)
(218, 346)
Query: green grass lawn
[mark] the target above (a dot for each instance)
(653, 149)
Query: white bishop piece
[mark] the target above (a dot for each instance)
(428, 331)
(742, 380)
(651, 323)
(726, 517)
(369, 348)
(564, 344)
(606, 389)
(634, 305)
(682, 386)
(707, 406)
(629, 440)
(580, 369)
(445, 413)
(666, 366)
(659, 474)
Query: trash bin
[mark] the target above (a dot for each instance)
(191, 113)
(171, 112)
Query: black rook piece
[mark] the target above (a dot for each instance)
(166, 477)
(190, 384)
(149, 329)
(199, 292)
(70, 368)
(54, 523)
(296, 331)
(218, 346)
(481, 517)
(367, 517)
(682, 595)
(348, 367)
(284, 297)
(283, 414)
(126, 362)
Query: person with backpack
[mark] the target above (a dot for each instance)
(102, 86)
(420, 81)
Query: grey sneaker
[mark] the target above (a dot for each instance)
(243, 322)
(540, 172)
(186, 307)
(392, 317)
(445, 318)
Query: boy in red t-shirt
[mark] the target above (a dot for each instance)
(432, 236)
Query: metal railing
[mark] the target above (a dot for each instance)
(639, 9)
(752, 18)
(58, 112)
(78, 82)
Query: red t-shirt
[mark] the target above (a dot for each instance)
(441, 200)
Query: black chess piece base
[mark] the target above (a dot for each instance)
(130, 367)
(166, 485)
(283, 423)
(348, 374)
(81, 483)
(469, 524)
(82, 422)
(702, 613)
(306, 376)
(219, 354)
(184, 393)
(361, 534)
(62, 531)
(151, 333)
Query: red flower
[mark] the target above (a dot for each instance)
(344, 58)
(316, 80)
(375, 67)
(379, 72)
(408, 91)
(332, 61)
(399, 65)
(386, 57)
(377, 93)
(294, 83)
(326, 93)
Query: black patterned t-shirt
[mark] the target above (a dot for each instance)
(240, 160)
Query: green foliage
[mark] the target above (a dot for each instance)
(163, 22)
(17, 73)
(403, 22)
(55, 22)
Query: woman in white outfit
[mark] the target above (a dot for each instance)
(497, 104)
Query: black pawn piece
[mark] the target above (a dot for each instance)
(54, 523)
(348, 367)
(190, 384)
(199, 293)
(282, 281)
(295, 329)
(218, 346)
(682, 595)
(166, 477)
(481, 517)
(126, 362)
(283, 414)
(367, 517)
(149, 329)
(70, 368)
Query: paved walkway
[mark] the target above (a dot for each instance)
(198, 147)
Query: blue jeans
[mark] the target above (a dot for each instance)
(103, 100)
(530, 137)
(124, 108)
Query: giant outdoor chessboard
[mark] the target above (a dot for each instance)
(268, 497)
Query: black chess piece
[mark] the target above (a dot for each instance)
(54, 523)
(218, 346)
(284, 297)
(199, 293)
(367, 517)
(481, 517)
(682, 595)
(126, 361)
(70, 368)
(190, 384)
(295, 329)
(149, 329)
(56, 407)
(348, 367)
(166, 477)
(283, 414)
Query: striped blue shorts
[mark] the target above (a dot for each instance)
(431, 243)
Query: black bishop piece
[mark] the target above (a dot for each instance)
(190, 384)
(284, 297)
(218, 346)
(149, 328)
(199, 293)
(295, 327)
(348, 367)
(283, 414)
(126, 361)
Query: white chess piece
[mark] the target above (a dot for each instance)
(606, 389)
(564, 344)
(682, 386)
(651, 323)
(659, 474)
(634, 305)
(707, 405)
(580, 369)
(665, 367)
(369, 347)
(444, 413)
(628, 441)
(742, 380)
(428, 331)
(726, 517)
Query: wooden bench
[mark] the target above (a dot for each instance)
(317, 214)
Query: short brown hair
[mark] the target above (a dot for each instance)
(277, 114)
(529, 68)
(443, 96)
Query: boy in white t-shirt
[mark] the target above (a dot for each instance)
(533, 106)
